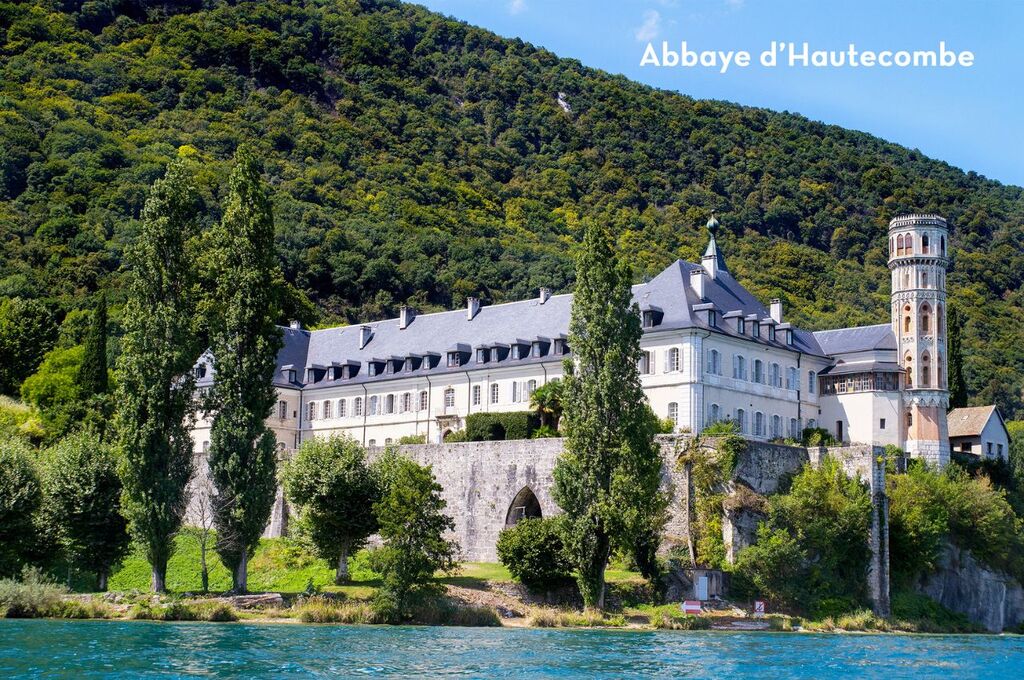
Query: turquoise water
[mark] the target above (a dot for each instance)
(91, 649)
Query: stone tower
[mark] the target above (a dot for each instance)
(918, 261)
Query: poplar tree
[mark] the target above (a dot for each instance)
(957, 385)
(92, 374)
(244, 344)
(155, 380)
(607, 478)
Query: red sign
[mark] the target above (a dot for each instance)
(691, 607)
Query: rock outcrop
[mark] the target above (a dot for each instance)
(965, 585)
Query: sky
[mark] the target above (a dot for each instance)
(971, 117)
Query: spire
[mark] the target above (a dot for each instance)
(713, 261)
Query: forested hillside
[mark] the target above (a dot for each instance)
(416, 159)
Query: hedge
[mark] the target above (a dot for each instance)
(483, 427)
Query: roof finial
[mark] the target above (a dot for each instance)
(712, 224)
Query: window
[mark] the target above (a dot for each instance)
(739, 367)
(776, 427)
(454, 359)
(776, 375)
(924, 244)
(206, 447)
(714, 362)
(899, 245)
(531, 387)
(812, 379)
(881, 423)
(481, 355)
(925, 318)
(646, 364)
(535, 350)
(741, 326)
(449, 397)
(424, 398)
(910, 418)
(282, 409)
(714, 414)
(758, 371)
(924, 279)
(812, 423)
(755, 329)
(942, 242)
(741, 420)
(673, 412)
(374, 405)
(909, 363)
(476, 395)
(672, 360)
(758, 424)
(357, 406)
(312, 411)
(988, 449)
(792, 379)
(1000, 448)
(926, 371)
(342, 408)
(389, 404)
(387, 441)
(494, 393)
(906, 320)
(372, 442)
(517, 352)
(406, 402)
(327, 409)
(515, 392)
(794, 428)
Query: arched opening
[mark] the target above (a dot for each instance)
(925, 324)
(924, 244)
(926, 371)
(906, 320)
(942, 241)
(910, 244)
(524, 505)
(908, 363)
(899, 244)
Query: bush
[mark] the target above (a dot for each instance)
(560, 618)
(483, 427)
(32, 597)
(545, 432)
(720, 428)
(413, 439)
(533, 552)
(327, 610)
(817, 436)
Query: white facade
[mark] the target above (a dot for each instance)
(711, 352)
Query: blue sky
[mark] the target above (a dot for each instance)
(970, 117)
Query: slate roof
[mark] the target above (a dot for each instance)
(969, 421)
(669, 292)
(858, 339)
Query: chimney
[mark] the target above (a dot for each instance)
(365, 333)
(472, 307)
(545, 293)
(697, 282)
(295, 325)
(405, 317)
(776, 310)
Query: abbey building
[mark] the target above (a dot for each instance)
(711, 352)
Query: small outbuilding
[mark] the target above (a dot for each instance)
(979, 431)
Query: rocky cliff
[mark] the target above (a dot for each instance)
(965, 585)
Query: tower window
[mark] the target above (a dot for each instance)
(926, 371)
(899, 245)
(924, 244)
(925, 318)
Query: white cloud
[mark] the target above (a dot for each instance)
(735, 4)
(516, 6)
(648, 30)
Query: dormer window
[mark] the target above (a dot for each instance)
(755, 330)
(771, 333)
(454, 359)
(517, 351)
(560, 346)
(741, 326)
(199, 371)
(712, 319)
(483, 355)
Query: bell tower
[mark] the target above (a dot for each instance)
(918, 262)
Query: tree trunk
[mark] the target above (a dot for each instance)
(241, 575)
(159, 580)
(205, 571)
(341, 576)
(102, 580)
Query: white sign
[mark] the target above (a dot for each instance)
(691, 607)
(758, 609)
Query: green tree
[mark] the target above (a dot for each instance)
(20, 498)
(546, 401)
(28, 331)
(607, 479)
(93, 377)
(957, 384)
(155, 380)
(413, 526)
(334, 490)
(534, 553)
(244, 344)
(83, 501)
(54, 390)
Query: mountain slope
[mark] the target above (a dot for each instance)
(415, 158)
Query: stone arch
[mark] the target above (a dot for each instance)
(925, 318)
(524, 505)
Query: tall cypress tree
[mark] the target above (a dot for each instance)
(155, 380)
(92, 374)
(957, 385)
(607, 478)
(245, 342)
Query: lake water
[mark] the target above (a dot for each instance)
(89, 649)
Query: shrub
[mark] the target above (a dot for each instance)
(441, 611)
(32, 597)
(545, 432)
(533, 552)
(560, 618)
(413, 439)
(482, 427)
(720, 428)
(326, 610)
(817, 436)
